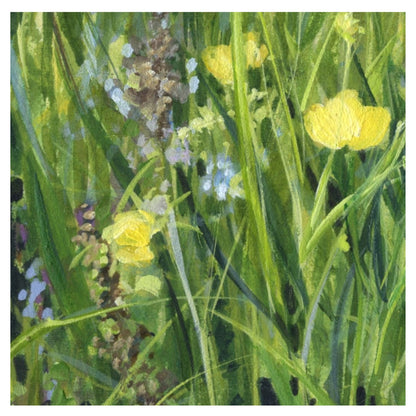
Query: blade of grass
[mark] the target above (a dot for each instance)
(132, 185)
(315, 68)
(360, 70)
(224, 274)
(200, 331)
(391, 306)
(310, 319)
(182, 324)
(320, 195)
(220, 257)
(196, 376)
(321, 191)
(358, 339)
(249, 169)
(292, 179)
(84, 369)
(279, 355)
(338, 347)
(24, 108)
(370, 186)
(114, 156)
(282, 98)
(24, 339)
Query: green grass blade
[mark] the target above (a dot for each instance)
(311, 317)
(222, 259)
(249, 168)
(338, 345)
(200, 331)
(195, 377)
(283, 98)
(392, 304)
(132, 185)
(24, 108)
(85, 369)
(341, 209)
(280, 356)
(24, 339)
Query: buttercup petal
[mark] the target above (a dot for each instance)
(320, 126)
(139, 256)
(138, 234)
(345, 121)
(374, 125)
(218, 61)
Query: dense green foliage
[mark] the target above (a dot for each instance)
(273, 268)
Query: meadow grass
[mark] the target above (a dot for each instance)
(274, 267)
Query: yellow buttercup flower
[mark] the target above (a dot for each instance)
(130, 236)
(255, 55)
(218, 59)
(343, 121)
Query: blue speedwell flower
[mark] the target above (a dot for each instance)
(193, 84)
(219, 178)
(191, 65)
(179, 152)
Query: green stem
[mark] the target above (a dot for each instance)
(314, 305)
(132, 185)
(249, 169)
(283, 100)
(200, 332)
(315, 68)
(291, 176)
(321, 191)
(396, 295)
(358, 340)
(341, 209)
(346, 66)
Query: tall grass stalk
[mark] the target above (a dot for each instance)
(285, 105)
(199, 330)
(250, 172)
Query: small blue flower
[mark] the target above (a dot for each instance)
(219, 177)
(152, 124)
(206, 183)
(164, 23)
(193, 84)
(109, 84)
(22, 294)
(219, 174)
(117, 95)
(279, 132)
(47, 313)
(29, 311)
(127, 50)
(221, 191)
(33, 269)
(123, 107)
(179, 152)
(36, 288)
(49, 393)
(191, 65)
(210, 167)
